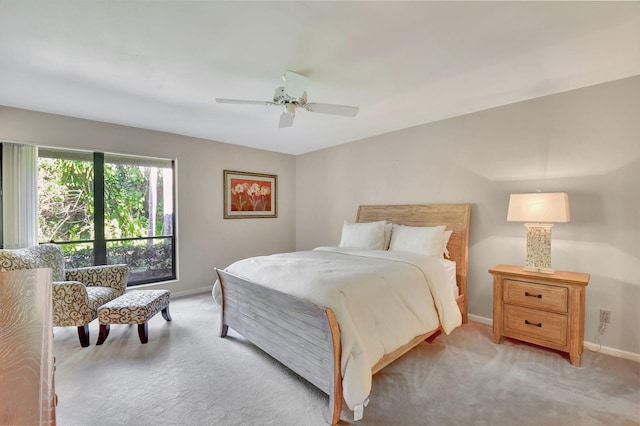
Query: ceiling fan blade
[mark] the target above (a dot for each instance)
(294, 84)
(239, 101)
(346, 111)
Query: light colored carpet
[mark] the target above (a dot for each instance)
(186, 375)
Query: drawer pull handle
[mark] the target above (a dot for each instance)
(526, 293)
(539, 324)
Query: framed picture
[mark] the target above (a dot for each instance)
(250, 195)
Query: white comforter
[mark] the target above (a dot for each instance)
(381, 300)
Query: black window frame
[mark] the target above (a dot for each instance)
(99, 240)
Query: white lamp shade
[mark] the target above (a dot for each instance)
(539, 207)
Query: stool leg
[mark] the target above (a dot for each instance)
(104, 332)
(165, 314)
(143, 332)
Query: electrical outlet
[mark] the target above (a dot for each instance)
(605, 316)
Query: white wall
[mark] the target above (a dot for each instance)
(585, 142)
(205, 239)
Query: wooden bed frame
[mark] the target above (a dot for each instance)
(305, 337)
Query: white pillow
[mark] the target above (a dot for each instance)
(447, 235)
(426, 240)
(369, 235)
(388, 228)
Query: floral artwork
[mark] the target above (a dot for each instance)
(249, 195)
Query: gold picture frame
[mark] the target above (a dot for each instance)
(250, 195)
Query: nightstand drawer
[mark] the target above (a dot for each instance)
(544, 326)
(536, 296)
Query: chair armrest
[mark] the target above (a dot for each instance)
(114, 276)
(70, 304)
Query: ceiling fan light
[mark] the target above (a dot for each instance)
(290, 108)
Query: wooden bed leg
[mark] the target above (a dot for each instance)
(223, 330)
(335, 394)
(335, 407)
(465, 312)
(431, 338)
(223, 327)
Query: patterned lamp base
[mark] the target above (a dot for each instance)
(539, 248)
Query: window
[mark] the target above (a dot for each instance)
(107, 209)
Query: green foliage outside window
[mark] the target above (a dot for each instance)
(134, 208)
(66, 201)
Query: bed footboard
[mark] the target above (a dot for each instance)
(301, 335)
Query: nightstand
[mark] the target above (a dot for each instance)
(543, 309)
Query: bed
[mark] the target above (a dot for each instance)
(308, 337)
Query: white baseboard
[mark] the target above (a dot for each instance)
(612, 351)
(191, 292)
(164, 286)
(481, 320)
(589, 345)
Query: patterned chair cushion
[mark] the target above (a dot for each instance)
(112, 276)
(98, 296)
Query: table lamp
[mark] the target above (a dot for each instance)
(539, 211)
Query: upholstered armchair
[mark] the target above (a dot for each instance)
(76, 293)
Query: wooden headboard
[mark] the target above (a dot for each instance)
(454, 216)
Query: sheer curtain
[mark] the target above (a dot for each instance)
(19, 195)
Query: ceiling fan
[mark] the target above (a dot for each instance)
(292, 96)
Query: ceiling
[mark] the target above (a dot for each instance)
(161, 64)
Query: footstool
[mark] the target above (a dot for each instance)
(133, 307)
